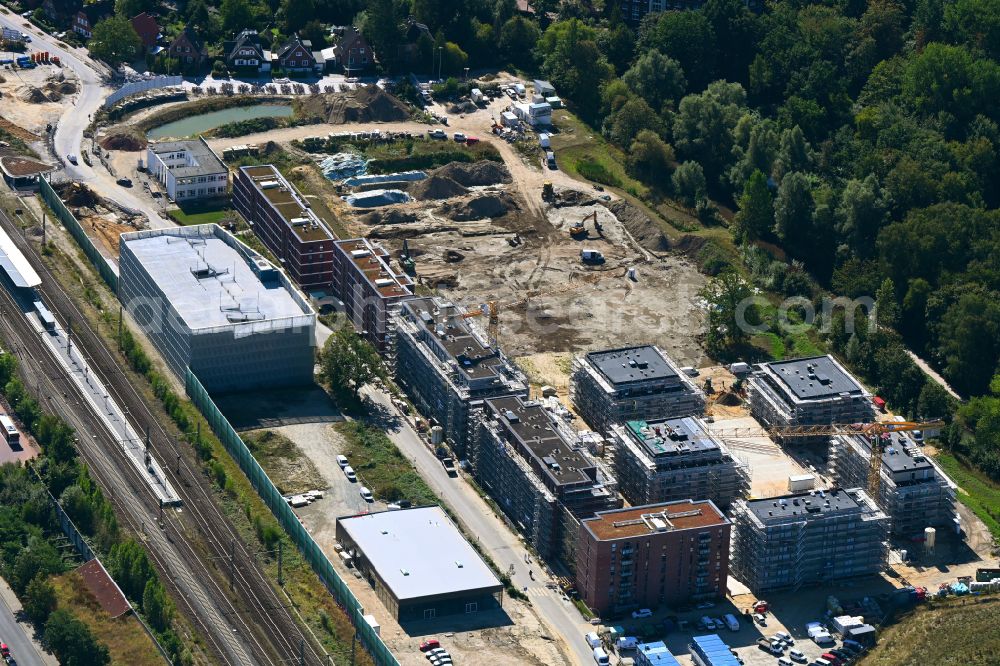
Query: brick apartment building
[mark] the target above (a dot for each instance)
(647, 556)
(286, 225)
(370, 288)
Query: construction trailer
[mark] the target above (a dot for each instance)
(673, 459)
(209, 303)
(913, 491)
(807, 538)
(540, 474)
(807, 391)
(631, 384)
(447, 367)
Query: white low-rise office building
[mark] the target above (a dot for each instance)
(188, 170)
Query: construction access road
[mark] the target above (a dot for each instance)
(214, 577)
(492, 534)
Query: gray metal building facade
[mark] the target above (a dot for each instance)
(208, 302)
(808, 538)
(634, 383)
(913, 491)
(670, 460)
(447, 367)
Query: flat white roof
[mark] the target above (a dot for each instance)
(208, 281)
(419, 552)
(15, 265)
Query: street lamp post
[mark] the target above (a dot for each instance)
(440, 59)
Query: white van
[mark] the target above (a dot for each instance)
(593, 640)
(342, 461)
(601, 657)
(732, 622)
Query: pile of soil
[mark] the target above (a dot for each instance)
(645, 232)
(463, 107)
(67, 88)
(124, 139)
(390, 216)
(575, 198)
(479, 208)
(474, 174)
(77, 195)
(363, 105)
(32, 95)
(729, 399)
(436, 187)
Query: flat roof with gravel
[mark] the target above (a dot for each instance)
(814, 378)
(666, 517)
(208, 282)
(632, 364)
(419, 553)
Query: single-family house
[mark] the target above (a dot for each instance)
(352, 51)
(247, 52)
(89, 16)
(414, 33)
(147, 28)
(295, 55)
(188, 49)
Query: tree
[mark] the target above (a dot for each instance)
(976, 22)
(968, 340)
(38, 558)
(348, 362)
(794, 153)
(129, 565)
(731, 312)
(518, 38)
(40, 600)
(453, 58)
(657, 79)
(236, 15)
(296, 13)
(687, 38)
(947, 78)
(316, 33)
(793, 210)
(756, 215)
(196, 13)
(651, 159)
(571, 60)
(934, 402)
(129, 8)
(704, 124)
(886, 308)
(156, 606)
(382, 30)
(79, 508)
(631, 118)
(115, 41)
(72, 642)
(861, 214)
(689, 182)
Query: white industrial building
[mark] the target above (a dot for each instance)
(189, 170)
(210, 303)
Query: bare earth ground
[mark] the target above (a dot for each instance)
(29, 115)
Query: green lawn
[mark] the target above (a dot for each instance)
(976, 491)
(199, 216)
(388, 473)
(584, 154)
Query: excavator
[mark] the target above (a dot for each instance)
(877, 434)
(579, 229)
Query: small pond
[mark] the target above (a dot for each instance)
(206, 121)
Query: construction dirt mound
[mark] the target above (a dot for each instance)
(474, 174)
(77, 195)
(124, 139)
(436, 187)
(390, 216)
(31, 95)
(729, 399)
(369, 104)
(645, 232)
(480, 208)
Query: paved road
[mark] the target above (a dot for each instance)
(17, 636)
(68, 139)
(503, 545)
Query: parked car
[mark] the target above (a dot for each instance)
(764, 644)
(760, 619)
(437, 133)
(404, 504)
(704, 604)
(449, 465)
(349, 473)
(642, 612)
(124, 182)
(459, 137)
(471, 141)
(366, 494)
(784, 661)
(785, 637)
(71, 158)
(796, 655)
(342, 461)
(434, 652)
(430, 644)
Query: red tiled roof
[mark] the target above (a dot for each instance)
(147, 29)
(104, 589)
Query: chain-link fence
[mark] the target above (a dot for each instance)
(286, 517)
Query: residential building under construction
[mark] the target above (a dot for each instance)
(540, 475)
(807, 391)
(647, 556)
(447, 367)
(668, 460)
(913, 491)
(807, 538)
(634, 383)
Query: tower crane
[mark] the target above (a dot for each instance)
(876, 433)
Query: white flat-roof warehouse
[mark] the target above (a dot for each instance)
(419, 563)
(211, 303)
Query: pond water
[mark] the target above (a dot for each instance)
(206, 121)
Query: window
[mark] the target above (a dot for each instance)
(472, 607)
(430, 613)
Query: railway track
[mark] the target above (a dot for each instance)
(197, 546)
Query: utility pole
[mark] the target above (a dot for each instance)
(281, 554)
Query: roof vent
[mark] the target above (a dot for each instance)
(405, 572)
(459, 564)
